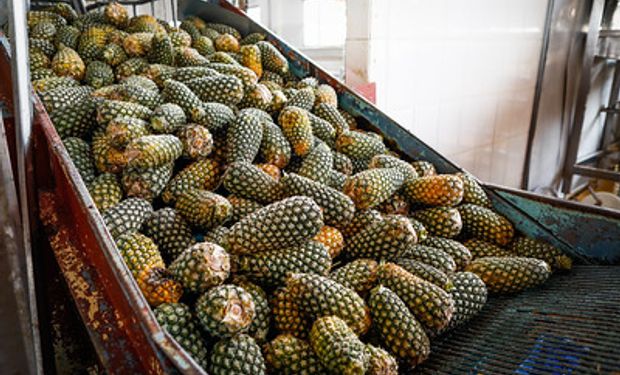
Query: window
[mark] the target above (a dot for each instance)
(324, 23)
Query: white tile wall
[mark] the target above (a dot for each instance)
(459, 74)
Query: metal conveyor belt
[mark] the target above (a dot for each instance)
(570, 325)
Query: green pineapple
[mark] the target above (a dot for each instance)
(107, 158)
(99, 74)
(485, 224)
(248, 181)
(252, 38)
(361, 219)
(92, 42)
(35, 17)
(226, 43)
(67, 62)
(431, 305)
(187, 56)
(43, 30)
(370, 188)
(529, 247)
(331, 114)
(67, 35)
(510, 274)
(425, 272)
(111, 109)
(162, 50)
(225, 310)
(246, 75)
(159, 73)
(271, 58)
(137, 94)
(389, 161)
(130, 67)
(217, 235)
(420, 230)
(224, 58)
(272, 267)
(338, 209)
(380, 362)
(440, 190)
(151, 151)
(223, 89)
(41, 73)
(81, 156)
(324, 131)
(274, 148)
(167, 118)
(38, 60)
(431, 256)
(148, 269)
(474, 193)
(180, 38)
(197, 141)
(259, 328)
(142, 81)
(337, 346)
(440, 221)
(326, 94)
(244, 138)
(424, 168)
(357, 145)
(122, 130)
(297, 129)
(242, 207)
(42, 45)
(76, 120)
(456, 250)
(385, 239)
(203, 45)
(170, 232)
(50, 83)
(127, 216)
(144, 23)
(115, 14)
(469, 294)
(114, 55)
(288, 354)
(203, 208)
(201, 174)
(482, 249)
(237, 355)
(223, 29)
(287, 223)
(287, 314)
(318, 164)
(303, 98)
(146, 183)
(105, 191)
(190, 72)
(320, 296)
(359, 275)
(256, 96)
(398, 328)
(216, 116)
(179, 94)
(201, 267)
(177, 320)
(66, 11)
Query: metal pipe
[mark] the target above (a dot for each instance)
(22, 108)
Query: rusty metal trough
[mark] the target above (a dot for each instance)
(127, 338)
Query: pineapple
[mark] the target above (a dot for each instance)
(111, 109)
(201, 267)
(67, 62)
(226, 43)
(288, 354)
(38, 60)
(170, 232)
(189, 27)
(441, 190)
(274, 148)
(105, 191)
(251, 58)
(287, 223)
(122, 130)
(99, 74)
(440, 221)
(136, 94)
(330, 114)
(190, 72)
(225, 310)
(144, 23)
(239, 355)
(204, 46)
(67, 35)
(179, 94)
(138, 44)
(146, 183)
(485, 224)
(528, 247)
(389, 161)
(303, 98)
(115, 14)
(148, 269)
(319, 296)
(217, 235)
(272, 267)
(242, 207)
(50, 83)
(76, 120)
(151, 151)
(127, 216)
(203, 209)
(337, 346)
(271, 58)
(224, 58)
(177, 320)
(325, 132)
(223, 29)
(398, 328)
(431, 256)
(107, 158)
(361, 219)
(42, 45)
(243, 138)
(318, 164)
(197, 141)
(66, 11)
(397, 204)
(162, 49)
(424, 168)
(167, 118)
(349, 119)
(326, 94)
(469, 294)
(259, 328)
(429, 303)
(180, 38)
(474, 193)
(81, 156)
(216, 116)
(388, 238)
(425, 272)
(92, 42)
(256, 96)
(248, 181)
(338, 209)
(380, 362)
(201, 174)
(359, 275)
(358, 145)
(332, 239)
(113, 55)
(297, 129)
(187, 56)
(510, 274)
(35, 17)
(420, 230)
(370, 188)
(252, 38)
(287, 314)
(223, 89)
(482, 249)
(456, 250)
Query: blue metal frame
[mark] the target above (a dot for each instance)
(590, 234)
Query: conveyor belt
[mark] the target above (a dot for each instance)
(570, 325)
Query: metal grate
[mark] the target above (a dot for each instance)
(570, 325)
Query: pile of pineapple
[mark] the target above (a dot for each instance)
(268, 232)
